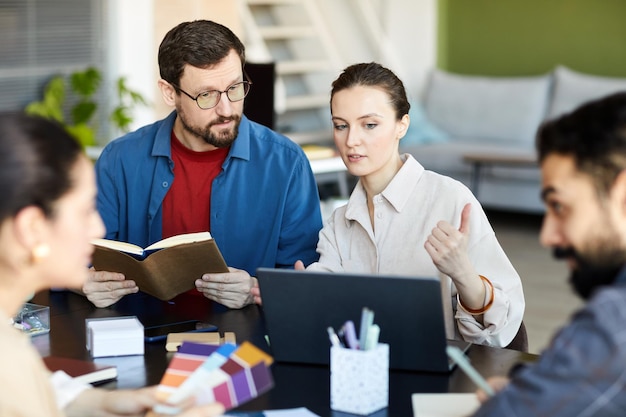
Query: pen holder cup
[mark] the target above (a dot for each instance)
(359, 379)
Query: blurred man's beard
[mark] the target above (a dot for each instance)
(222, 139)
(595, 270)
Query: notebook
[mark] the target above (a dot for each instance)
(89, 372)
(298, 307)
(444, 404)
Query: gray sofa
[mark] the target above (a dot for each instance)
(461, 114)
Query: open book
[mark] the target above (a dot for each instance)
(164, 269)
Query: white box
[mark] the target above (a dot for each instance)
(115, 336)
(359, 379)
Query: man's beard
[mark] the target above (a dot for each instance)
(223, 139)
(593, 271)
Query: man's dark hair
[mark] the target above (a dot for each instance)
(201, 43)
(594, 135)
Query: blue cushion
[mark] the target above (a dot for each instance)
(421, 130)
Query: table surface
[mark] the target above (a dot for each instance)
(294, 385)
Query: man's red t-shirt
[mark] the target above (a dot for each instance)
(187, 204)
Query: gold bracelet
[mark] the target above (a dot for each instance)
(482, 310)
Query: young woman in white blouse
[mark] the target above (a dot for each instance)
(402, 219)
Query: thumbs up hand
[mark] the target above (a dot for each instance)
(447, 247)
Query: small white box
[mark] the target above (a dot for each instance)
(359, 379)
(115, 336)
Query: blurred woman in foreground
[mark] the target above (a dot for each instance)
(47, 220)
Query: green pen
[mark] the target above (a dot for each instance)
(459, 358)
(372, 336)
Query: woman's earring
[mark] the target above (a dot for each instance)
(39, 253)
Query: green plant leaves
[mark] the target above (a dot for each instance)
(84, 133)
(120, 116)
(85, 85)
(83, 111)
(51, 106)
(124, 93)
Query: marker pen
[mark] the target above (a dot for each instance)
(459, 358)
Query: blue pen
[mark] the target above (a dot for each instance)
(350, 333)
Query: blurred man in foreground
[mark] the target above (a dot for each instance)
(583, 371)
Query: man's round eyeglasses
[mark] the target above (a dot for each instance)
(209, 99)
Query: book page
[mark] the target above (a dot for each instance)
(179, 239)
(288, 412)
(117, 245)
(444, 405)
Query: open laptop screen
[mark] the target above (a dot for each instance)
(299, 306)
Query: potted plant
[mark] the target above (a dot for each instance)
(79, 118)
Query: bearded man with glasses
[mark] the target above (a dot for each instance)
(206, 167)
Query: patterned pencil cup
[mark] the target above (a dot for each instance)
(359, 379)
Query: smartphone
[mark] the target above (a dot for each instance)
(160, 332)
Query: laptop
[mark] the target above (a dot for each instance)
(299, 306)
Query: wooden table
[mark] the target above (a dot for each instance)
(294, 385)
(478, 160)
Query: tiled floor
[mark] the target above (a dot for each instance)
(549, 297)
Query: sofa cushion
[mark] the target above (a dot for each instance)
(493, 108)
(572, 88)
(421, 130)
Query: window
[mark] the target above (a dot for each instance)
(43, 38)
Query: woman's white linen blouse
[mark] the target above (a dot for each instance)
(405, 214)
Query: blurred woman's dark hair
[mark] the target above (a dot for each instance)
(36, 160)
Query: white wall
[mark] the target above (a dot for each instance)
(412, 26)
(409, 24)
(408, 39)
(132, 53)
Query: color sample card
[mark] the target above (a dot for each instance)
(189, 357)
(228, 374)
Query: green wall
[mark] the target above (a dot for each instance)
(526, 37)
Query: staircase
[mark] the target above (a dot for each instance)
(292, 33)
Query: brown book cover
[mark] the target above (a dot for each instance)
(88, 372)
(166, 272)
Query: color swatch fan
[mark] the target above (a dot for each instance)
(228, 374)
